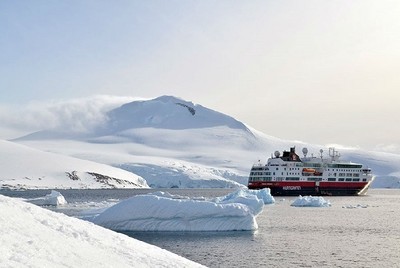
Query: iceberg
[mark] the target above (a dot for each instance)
(53, 199)
(164, 212)
(310, 201)
(263, 194)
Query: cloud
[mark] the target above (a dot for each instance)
(341, 146)
(79, 115)
(388, 148)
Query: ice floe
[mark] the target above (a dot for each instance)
(310, 201)
(53, 199)
(355, 206)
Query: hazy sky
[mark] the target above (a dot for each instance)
(316, 71)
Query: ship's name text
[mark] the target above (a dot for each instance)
(291, 188)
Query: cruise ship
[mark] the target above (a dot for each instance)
(288, 174)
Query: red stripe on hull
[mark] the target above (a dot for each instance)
(310, 187)
(325, 184)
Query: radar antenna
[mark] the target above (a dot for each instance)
(305, 152)
(335, 155)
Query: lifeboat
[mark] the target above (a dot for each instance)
(308, 170)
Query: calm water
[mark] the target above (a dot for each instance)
(354, 232)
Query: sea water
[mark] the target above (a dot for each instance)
(356, 231)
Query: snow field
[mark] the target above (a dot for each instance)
(31, 236)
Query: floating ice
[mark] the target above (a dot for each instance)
(164, 212)
(53, 199)
(310, 201)
(263, 194)
(357, 206)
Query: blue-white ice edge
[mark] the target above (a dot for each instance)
(310, 201)
(162, 211)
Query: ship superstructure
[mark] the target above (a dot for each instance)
(288, 174)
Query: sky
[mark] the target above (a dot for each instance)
(324, 72)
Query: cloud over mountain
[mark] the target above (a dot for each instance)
(79, 115)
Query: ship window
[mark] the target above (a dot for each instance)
(331, 179)
(364, 179)
(348, 179)
(341, 174)
(356, 179)
(314, 179)
(341, 179)
(356, 175)
(349, 175)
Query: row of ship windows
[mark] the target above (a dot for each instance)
(308, 179)
(296, 173)
(346, 170)
(318, 165)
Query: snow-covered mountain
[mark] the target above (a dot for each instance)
(171, 142)
(165, 112)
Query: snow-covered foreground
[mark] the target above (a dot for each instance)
(31, 236)
(165, 212)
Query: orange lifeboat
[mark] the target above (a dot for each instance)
(308, 170)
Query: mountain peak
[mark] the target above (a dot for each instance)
(167, 112)
(177, 101)
(168, 98)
